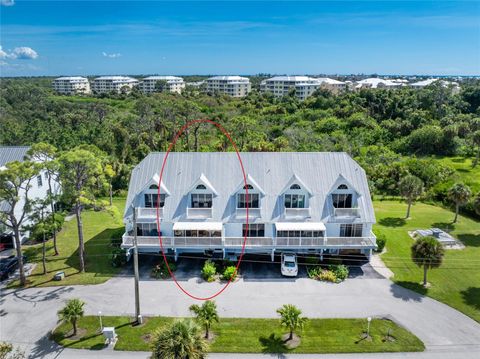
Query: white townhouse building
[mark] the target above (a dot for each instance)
(304, 86)
(424, 83)
(235, 86)
(118, 84)
(375, 82)
(70, 85)
(316, 203)
(38, 189)
(172, 84)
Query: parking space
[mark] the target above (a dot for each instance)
(254, 267)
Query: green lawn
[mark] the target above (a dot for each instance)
(463, 171)
(99, 228)
(245, 335)
(457, 281)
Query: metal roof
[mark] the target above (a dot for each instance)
(12, 153)
(319, 171)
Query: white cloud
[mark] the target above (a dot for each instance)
(21, 53)
(24, 53)
(7, 2)
(112, 56)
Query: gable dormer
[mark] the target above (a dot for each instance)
(296, 198)
(150, 198)
(248, 195)
(201, 195)
(343, 198)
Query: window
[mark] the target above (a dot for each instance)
(254, 230)
(39, 181)
(342, 186)
(351, 230)
(147, 229)
(342, 200)
(253, 200)
(294, 201)
(295, 186)
(153, 186)
(197, 233)
(248, 186)
(153, 200)
(201, 200)
(303, 234)
(201, 186)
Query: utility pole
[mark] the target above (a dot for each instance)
(138, 316)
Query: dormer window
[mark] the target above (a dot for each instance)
(342, 197)
(253, 197)
(342, 186)
(201, 186)
(154, 200)
(202, 200)
(294, 200)
(295, 186)
(153, 186)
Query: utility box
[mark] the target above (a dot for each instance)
(59, 276)
(109, 334)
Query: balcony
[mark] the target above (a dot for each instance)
(297, 213)
(347, 213)
(199, 213)
(351, 242)
(251, 242)
(252, 213)
(143, 212)
(299, 242)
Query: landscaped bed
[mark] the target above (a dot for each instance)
(247, 335)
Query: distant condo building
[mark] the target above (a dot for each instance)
(162, 83)
(234, 86)
(113, 83)
(375, 82)
(304, 86)
(71, 85)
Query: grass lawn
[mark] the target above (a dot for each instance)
(463, 171)
(245, 335)
(99, 228)
(457, 281)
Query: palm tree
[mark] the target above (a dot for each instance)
(476, 142)
(459, 194)
(410, 187)
(290, 317)
(427, 252)
(72, 312)
(205, 315)
(181, 340)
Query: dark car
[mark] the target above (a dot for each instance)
(8, 266)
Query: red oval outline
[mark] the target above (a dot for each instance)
(174, 141)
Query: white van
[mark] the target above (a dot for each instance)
(289, 266)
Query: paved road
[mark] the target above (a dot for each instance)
(446, 332)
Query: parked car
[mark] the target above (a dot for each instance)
(289, 265)
(8, 266)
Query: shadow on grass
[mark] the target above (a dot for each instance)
(408, 291)
(392, 222)
(273, 344)
(444, 226)
(458, 159)
(471, 297)
(471, 240)
(97, 253)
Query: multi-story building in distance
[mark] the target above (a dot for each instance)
(118, 84)
(235, 86)
(71, 85)
(304, 86)
(162, 83)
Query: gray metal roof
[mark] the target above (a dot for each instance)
(319, 171)
(12, 153)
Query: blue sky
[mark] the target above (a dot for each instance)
(155, 37)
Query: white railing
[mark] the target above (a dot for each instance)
(199, 213)
(144, 212)
(266, 242)
(252, 213)
(346, 212)
(251, 242)
(297, 212)
(299, 242)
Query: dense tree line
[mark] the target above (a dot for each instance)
(387, 131)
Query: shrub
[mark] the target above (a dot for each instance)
(381, 241)
(328, 276)
(37, 229)
(230, 273)
(209, 270)
(314, 272)
(119, 258)
(340, 271)
(160, 271)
